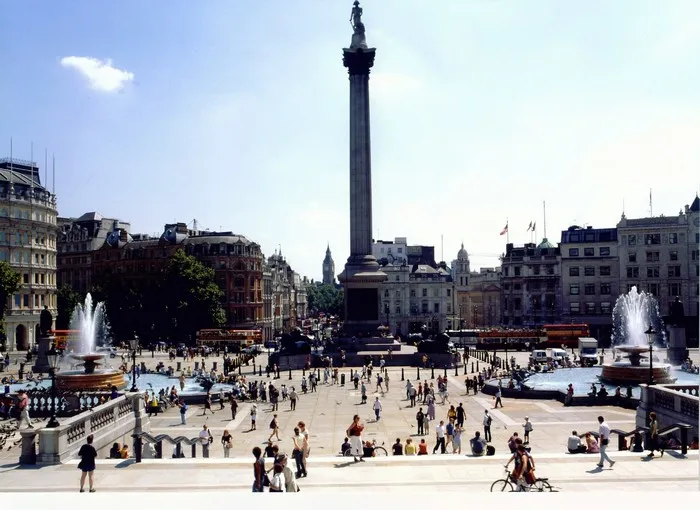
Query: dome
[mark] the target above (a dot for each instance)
(545, 244)
(462, 253)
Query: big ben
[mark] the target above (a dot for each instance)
(328, 268)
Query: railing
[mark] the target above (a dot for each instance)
(106, 423)
(622, 435)
(674, 403)
(144, 437)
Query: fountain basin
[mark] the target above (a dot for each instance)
(624, 373)
(97, 380)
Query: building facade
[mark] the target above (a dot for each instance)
(481, 304)
(28, 238)
(461, 275)
(141, 260)
(300, 297)
(416, 296)
(590, 278)
(268, 328)
(328, 268)
(77, 240)
(395, 252)
(531, 285)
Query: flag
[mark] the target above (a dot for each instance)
(529, 227)
(534, 223)
(505, 230)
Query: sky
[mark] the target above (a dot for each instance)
(235, 113)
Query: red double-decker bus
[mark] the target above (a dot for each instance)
(62, 336)
(567, 335)
(242, 337)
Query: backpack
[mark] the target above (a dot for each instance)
(488, 421)
(272, 424)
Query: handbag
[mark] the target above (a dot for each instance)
(266, 480)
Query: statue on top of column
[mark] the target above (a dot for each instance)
(358, 37)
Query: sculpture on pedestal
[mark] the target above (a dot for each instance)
(41, 366)
(358, 36)
(676, 313)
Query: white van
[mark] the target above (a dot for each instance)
(538, 356)
(559, 355)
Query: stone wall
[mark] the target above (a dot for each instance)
(672, 403)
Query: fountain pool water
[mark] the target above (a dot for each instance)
(634, 312)
(90, 321)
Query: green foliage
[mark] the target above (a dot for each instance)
(325, 298)
(173, 308)
(10, 282)
(66, 301)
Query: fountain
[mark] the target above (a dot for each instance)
(634, 312)
(90, 321)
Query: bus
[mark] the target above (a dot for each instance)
(63, 336)
(565, 336)
(240, 337)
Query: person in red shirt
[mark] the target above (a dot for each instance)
(23, 406)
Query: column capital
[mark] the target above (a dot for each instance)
(358, 60)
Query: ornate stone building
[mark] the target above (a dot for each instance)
(482, 306)
(77, 240)
(237, 263)
(28, 235)
(328, 268)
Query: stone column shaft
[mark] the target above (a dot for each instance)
(360, 167)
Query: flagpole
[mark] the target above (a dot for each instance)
(544, 214)
(507, 230)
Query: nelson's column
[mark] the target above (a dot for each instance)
(361, 278)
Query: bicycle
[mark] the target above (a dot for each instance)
(378, 451)
(505, 485)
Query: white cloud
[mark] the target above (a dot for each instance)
(101, 74)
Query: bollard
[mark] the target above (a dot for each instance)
(196, 365)
(194, 450)
(418, 373)
(342, 379)
(214, 365)
(178, 450)
(472, 367)
(402, 376)
(138, 447)
(456, 370)
(179, 366)
(318, 374)
(290, 373)
(260, 370)
(159, 450)
(303, 371)
(239, 369)
(445, 374)
(465, 368)
(432, 372)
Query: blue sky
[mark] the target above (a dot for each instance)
(236, 113)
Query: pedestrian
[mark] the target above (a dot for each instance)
(460, 415)
(440, 436)
(307, 440)
(253, 416)
(377, 406)
(299, 452)
(258, 471)
(290, 483)
(227, 442)
(498, 398)
(354, 432)
(274, 426)
(23, 407)
(487, 426)
(183, 412)
(604, 433)
(419, 420)
(654, 436)
(205, 439)
(87, 454)
(527, 427)
(234, 407)
(457, 440)
(207, 404)
(293, 399)
(386, 380)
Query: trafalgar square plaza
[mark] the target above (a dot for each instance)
(345, 404)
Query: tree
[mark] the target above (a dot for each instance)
(10, 282)
(192, 297)
(66, 301)
(325, 298)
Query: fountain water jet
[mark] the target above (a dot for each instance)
(90, 321)
(634, 312)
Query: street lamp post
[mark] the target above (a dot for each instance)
(651, 337)
(134, 343)
(53, 360)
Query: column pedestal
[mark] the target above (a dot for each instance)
(41, 365)
(677, 351)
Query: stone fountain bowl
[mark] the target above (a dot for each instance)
(91, 377)
(633, 371)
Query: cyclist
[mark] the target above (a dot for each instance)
(524, 471)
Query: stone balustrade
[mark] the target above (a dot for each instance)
(106, 423)
(672, 403)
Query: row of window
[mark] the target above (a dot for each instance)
(652, 256)
(39, 279)
(603, 251)
(35, 301)
(674, 289)
(590, 271)
(24, 214)
(605, 308)
(517, 270)
(24, 257)
(414, 293)
(654, 272)
(589, 289)
(652, 239)
(414, 309)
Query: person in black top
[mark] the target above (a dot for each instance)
(87, 456)
(114, 452)
(397, 448)
(460, 415)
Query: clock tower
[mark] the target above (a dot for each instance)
(328, 268)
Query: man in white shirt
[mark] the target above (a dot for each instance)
(205, 439)
(604, 431)
(574, 443)
(377, 408)
(440, 434)
(487, 426)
